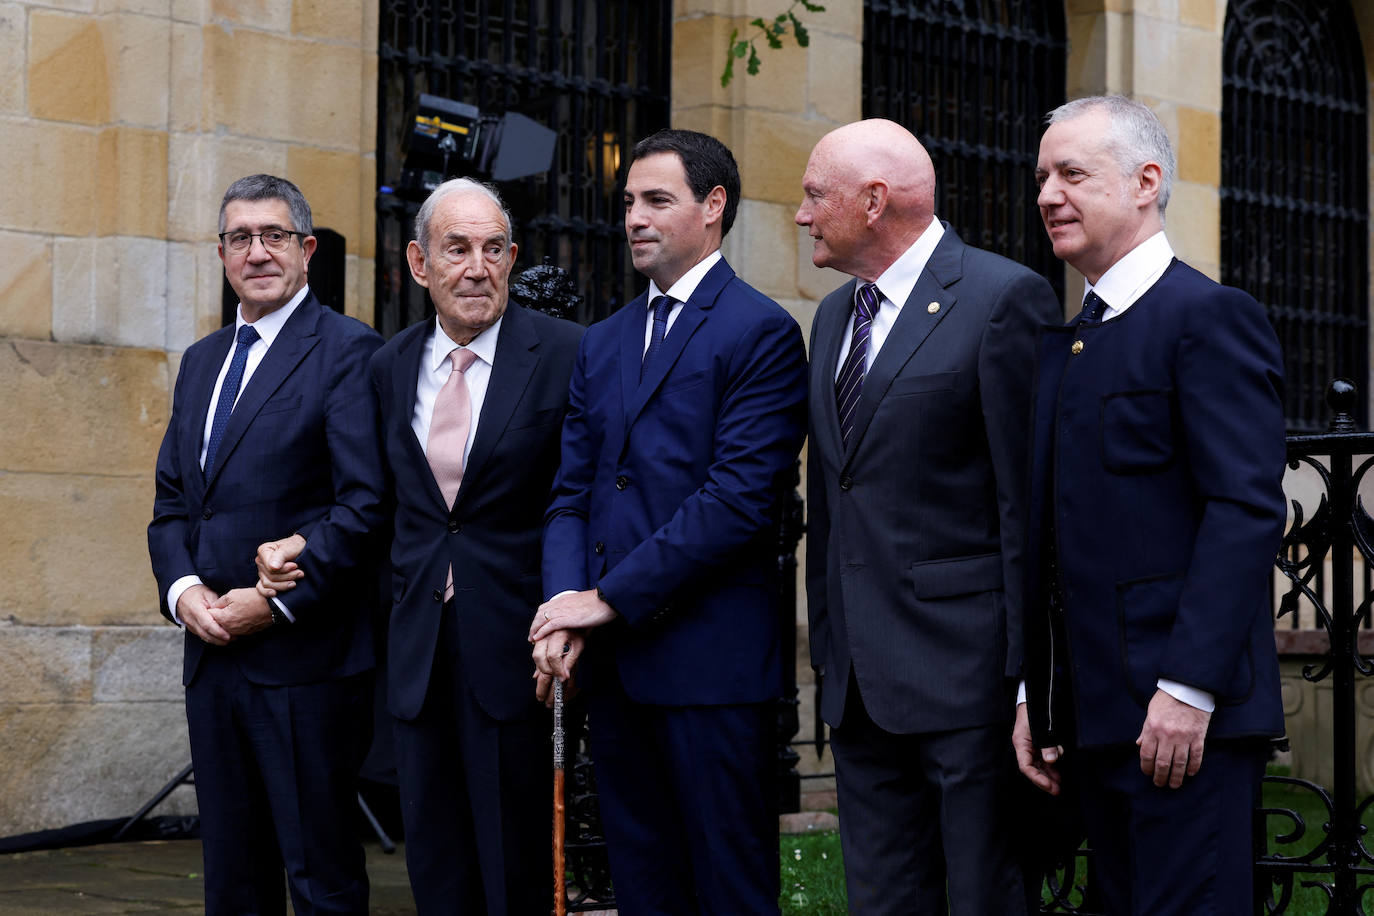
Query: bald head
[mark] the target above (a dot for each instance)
(868, 194)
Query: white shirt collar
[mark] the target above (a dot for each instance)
(483, 345)
(270, 325)
(687, 283)
(897, 282)
(1129, 278)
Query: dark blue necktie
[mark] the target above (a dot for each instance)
(850, 383)
(1093, 309)
(662, 306)
(228, 392)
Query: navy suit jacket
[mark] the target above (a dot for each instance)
(1159, 449)
(299, 455)
(915, 532)
(491, 536)
(668, 491)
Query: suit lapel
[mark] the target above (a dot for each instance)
(297, 338)
(411, 360)
(913, 326)
(511, 370)
(632, 350)
(198, 400)
(694, 312)
(831, 321)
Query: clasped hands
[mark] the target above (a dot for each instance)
(1171, 745)
(559, 634)
(220, 619)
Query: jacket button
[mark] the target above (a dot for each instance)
(438, 594)
(454, 527)
(207, 513)
(600, 547)
(622, 482)
(846, 483)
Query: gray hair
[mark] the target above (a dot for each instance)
(457, 186)
(270, 187)
(1136, 136)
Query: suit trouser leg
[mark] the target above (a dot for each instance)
(475, 800)
(922, 818)
(276, 777)
(1161, 851)
(688, 800)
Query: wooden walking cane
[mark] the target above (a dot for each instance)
(560, 897)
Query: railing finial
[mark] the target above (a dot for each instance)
(1341, 396)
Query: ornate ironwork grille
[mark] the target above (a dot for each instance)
(595, 71)
(1294, 187)
(973, 80)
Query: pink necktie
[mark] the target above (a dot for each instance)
(448, 435)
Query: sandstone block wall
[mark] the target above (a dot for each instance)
(121, 123)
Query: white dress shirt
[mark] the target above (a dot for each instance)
(1131, 277)
(436, 367)
(681, 291)
(1120, 288)
(268, 327)
(894, 288)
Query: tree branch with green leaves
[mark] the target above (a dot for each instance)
(771, 32)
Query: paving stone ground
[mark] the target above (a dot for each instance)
(150, 877)
(162, 876)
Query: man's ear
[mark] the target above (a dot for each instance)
(308, 245)
(415, 257)
(1148, 183)
(874, 198)
(715, 205)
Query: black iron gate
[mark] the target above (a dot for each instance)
(594, 71)
(973, 79)
(1294, 187)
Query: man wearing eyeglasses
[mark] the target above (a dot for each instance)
(273, 438)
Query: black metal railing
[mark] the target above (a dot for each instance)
(1294, 187)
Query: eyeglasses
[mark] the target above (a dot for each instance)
(274, 240)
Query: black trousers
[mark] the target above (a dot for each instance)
(688, 799)
(276, 782)
(476, 798)
(1161, 851)
(926, 820)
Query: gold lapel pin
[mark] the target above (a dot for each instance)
(933, 307)
(1077, 347)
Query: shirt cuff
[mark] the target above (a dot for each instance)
(175, 592)
(566, 591)
(283, 608)
(1020, 693)
(1198, 699)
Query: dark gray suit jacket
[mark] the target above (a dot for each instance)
(914, 544)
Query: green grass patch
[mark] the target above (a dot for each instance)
(812, 875)
(813, 866)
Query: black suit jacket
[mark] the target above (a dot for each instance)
(914, 542)
(299, 455)
(491, 536)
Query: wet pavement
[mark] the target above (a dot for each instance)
(150, 877)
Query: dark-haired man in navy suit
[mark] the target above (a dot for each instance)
(686, 414)
(273, 436)
(1157, 508)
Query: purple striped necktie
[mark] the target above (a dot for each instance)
(850, 383)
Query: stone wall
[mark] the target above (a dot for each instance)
(121, 123)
